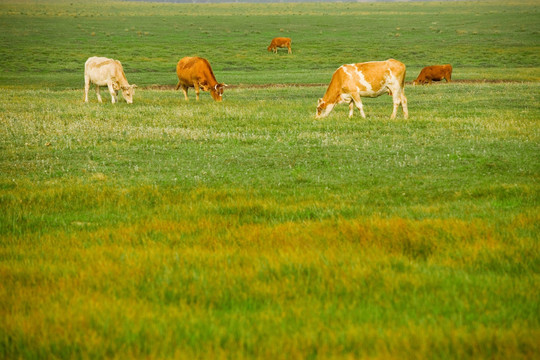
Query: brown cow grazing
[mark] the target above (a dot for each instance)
(103, 71)
(196, 72)
(434, 73)
(371, 79)
(280, 42)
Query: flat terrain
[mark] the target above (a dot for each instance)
(247, 228)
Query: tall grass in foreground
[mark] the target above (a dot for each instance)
(367, 287)
(248, 229)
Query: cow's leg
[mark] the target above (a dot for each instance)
(396, 100)
(404, 104)
(98, 94)
(290, 51)
(112, 92)
(86, 88)
(185, 89)
(196, 86)
(398, 97)
(358, 103)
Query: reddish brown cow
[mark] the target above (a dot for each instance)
(196, 72)
(434, 73)
(280, 42)
(371, 79)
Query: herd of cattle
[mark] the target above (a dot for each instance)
(349, 82)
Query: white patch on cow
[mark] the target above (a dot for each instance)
(392, 82)
(364, 82)
(345, 98)
(390, 78)
(344, 67)
(325, 111)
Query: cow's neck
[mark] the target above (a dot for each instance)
(332, 95)
(210, 78)
(121, 79)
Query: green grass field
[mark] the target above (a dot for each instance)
(247, 228)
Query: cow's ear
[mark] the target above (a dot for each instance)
(320, 102)
(224, 85)
(134, 86)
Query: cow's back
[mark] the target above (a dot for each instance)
(284, 41)
(370, 78)
(189, 64)
(447, 71)
(96, 62)
(101, 69)
(281, 41)
(434, 73)
(193, 69)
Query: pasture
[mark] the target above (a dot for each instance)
(247, 228)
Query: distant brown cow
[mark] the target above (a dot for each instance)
(370, 79)
(196, 72)
(434, 73)
(280, 42)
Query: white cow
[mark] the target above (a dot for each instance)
(103, 71)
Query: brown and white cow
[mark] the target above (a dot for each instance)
(196, 72)
(434, 73)
(104, 71)
(370, 79)
(280, 42)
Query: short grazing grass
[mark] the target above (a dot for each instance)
(247, 228)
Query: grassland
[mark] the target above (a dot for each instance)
(248, 229)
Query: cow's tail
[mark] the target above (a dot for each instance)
(178, 86)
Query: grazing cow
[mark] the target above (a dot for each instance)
(434, 73)
(280, 42)
(103, 71)
(371, 79)
(196, 72)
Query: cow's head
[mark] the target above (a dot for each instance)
(216, 91)
(127, 92)
(420, 80)
(269, 48)
(323, 109)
